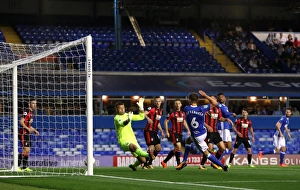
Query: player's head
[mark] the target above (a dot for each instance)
(157, 101)
(120, 108)
(221, 98)
(213, 96)
(245, 112)
(32, 104)
(193, 97)
(288, 112)
(177, 104)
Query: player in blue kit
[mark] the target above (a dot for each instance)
(279, 139)
(195, 119)
(224, 127)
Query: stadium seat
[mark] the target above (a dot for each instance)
(162, 43)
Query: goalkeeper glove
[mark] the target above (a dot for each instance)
(140, 103)
(130, 114)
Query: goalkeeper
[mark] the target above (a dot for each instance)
(125, 134)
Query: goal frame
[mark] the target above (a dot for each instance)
(89, 99)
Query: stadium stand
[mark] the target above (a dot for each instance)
(231, 44)
(156, 59)
(167, 49)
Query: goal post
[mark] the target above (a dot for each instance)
(59, 77)
(89, 100)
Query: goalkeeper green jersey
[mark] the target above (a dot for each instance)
(125, 133)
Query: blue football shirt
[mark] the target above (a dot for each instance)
(284, 121)
(195, 118)
(226, 114)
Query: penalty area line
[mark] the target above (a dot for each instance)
(171, 182)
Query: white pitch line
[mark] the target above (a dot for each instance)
(171, 182)
(23, 176)
(263, 181)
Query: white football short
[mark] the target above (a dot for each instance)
(200, 142)
(278, 141)
(225, 135)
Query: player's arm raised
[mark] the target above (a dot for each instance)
(140, 104)
(211, 100)
(141, 115)
(122, 122)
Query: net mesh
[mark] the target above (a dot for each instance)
(55, 76)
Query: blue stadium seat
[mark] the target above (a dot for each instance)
(177, 43)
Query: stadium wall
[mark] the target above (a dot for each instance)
(125, 160)
(259, 122)
(194, 160)
(106, 122)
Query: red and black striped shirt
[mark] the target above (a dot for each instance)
(243, 125)
(212, 117)
(28, 119)
(176, 118)
(155, 115)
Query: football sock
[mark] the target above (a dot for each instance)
(249, 158)
(204, 159)
(150, 159)
(186, 152)
(177, 156)
(214, 160)
(141, 153)
(222, 153)
(231, 157)
(219, 155)
(226, 150)
(25, 161)
(136, 163)
(170, 155)
(282, 154)
(20, 158)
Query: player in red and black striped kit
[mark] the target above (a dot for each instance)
(24, 135)
(212, 117)
(152, 139)
(177, 119)
(242, 126)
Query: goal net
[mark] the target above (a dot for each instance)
(59, 77)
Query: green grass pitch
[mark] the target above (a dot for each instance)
(123, 178)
